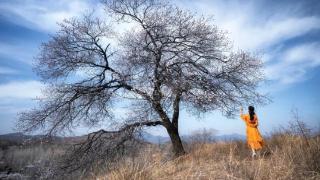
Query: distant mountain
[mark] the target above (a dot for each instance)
(161, 139)
(21, 138)
(231, 137)
(154, 139)
(14, 137)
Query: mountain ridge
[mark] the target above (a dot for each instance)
(155, 139)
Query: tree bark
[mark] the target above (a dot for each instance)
(172, 129)
(177, 146)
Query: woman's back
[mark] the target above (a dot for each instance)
(254, 138)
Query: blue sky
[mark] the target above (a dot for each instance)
(285, 34)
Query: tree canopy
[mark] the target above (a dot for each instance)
(170, 59)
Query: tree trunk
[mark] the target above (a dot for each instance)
(172, 129)
(177, 146)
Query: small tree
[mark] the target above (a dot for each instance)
(170, 59)
(298, 127)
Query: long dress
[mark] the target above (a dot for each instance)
(254, 138)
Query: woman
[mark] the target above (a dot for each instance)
(254, 139)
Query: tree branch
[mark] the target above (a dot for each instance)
(102, 146)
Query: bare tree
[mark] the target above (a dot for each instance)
(171, 59)
(298, 127)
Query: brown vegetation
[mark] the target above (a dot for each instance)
(285, 157)
(290, 153)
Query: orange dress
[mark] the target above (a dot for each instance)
(254, 138)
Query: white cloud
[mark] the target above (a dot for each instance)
(257, 31)
(250, 29)
(26, 89)
(294, 63)
(250, 36)
(247, 27)
(44, 15)
(13, 108)
(305, 53)
(18, 52)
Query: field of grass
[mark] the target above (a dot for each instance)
(287, 155)
(284, 157)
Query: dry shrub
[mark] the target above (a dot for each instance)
(18, 157)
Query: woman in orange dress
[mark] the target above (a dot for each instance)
(254, 139)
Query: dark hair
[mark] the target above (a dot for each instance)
(251, 112)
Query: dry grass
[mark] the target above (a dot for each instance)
(18, 157)
(285, 157)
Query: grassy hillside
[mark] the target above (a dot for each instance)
(285, 156)
(288, 154)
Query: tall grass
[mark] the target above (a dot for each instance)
(288, 154)
(285, 156)
(19, 157)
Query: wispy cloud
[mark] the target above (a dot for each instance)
(248, 28)
(250, 36)
(24, 89)
(18, 52)
(44, 15)
(251, 27)
(294, 63)
(263, 26)
(252, 30)
(16, 97)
